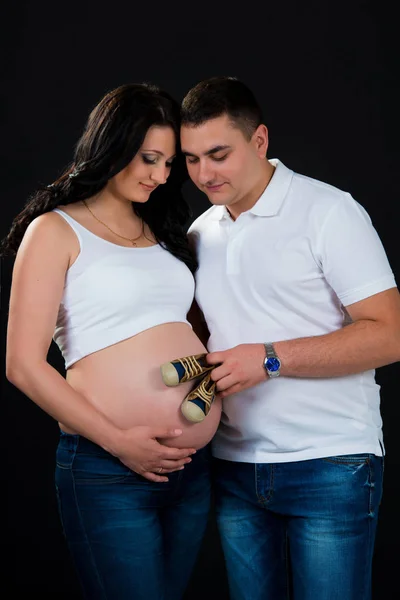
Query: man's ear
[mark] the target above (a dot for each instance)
(260, 140)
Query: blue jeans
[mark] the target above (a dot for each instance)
(130, 538)
(314, 519)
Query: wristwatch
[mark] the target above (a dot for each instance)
(272, 364)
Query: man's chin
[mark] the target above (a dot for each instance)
(218, 199)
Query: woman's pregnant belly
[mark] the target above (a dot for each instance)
(124, 382)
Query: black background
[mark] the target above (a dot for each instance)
(326, 75)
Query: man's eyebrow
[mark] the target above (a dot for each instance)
(213, 150)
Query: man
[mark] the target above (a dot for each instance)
(302, 306)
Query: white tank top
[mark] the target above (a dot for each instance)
(112, 293)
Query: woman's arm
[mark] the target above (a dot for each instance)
(37, 287)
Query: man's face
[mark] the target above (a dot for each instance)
(221, 161)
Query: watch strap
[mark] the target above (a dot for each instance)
(270, 351)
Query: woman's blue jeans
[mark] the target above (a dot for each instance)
(130, 538)
(315, 519)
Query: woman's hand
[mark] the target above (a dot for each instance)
(139, 449)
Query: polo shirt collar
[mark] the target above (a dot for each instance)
(271, 200)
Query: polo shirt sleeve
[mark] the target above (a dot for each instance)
(351, 254)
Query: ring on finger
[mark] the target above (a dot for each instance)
(160, 470)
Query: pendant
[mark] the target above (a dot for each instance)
(133, 243)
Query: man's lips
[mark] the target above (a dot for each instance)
(214, 188)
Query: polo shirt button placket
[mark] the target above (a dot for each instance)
(234, 246)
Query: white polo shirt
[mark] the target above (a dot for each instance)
(286, 269)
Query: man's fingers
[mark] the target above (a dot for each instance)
(213, 358)
(220, 372)
(225, 383)
(231, 390)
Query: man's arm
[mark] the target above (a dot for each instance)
(371, 341)
(354, 262)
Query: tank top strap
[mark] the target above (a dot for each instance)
(77, 228)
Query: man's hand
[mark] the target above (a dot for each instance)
(242, 367)
(139, 449)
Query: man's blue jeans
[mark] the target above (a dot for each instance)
(130, 538)
(320, 515)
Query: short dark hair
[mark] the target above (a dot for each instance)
(216, 96)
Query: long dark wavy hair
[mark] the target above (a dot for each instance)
(113, 134)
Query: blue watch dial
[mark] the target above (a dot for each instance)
(273, 364)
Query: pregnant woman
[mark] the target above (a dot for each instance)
(103, 267)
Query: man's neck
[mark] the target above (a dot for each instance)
(248, 201)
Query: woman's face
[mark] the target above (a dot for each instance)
(148, 169)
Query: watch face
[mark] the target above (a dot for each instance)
(273, 364)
